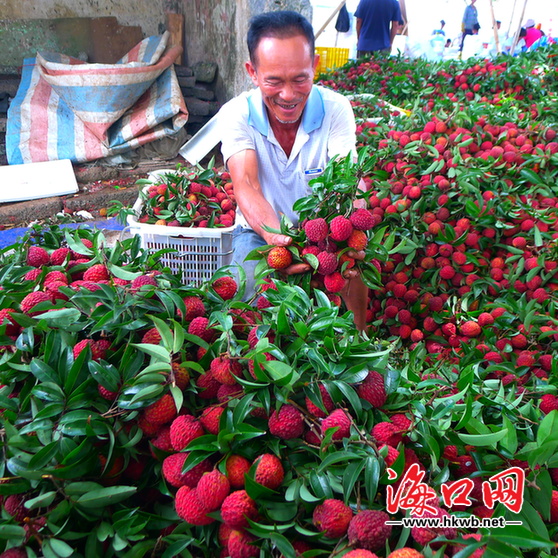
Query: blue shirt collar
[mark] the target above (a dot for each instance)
(312, 116)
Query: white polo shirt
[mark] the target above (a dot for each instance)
(327, 130)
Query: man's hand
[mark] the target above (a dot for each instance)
(296, 268)
(276, 239)
(356, 255)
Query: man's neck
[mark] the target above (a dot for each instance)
(285, 133)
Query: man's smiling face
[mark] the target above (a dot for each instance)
(284, 72)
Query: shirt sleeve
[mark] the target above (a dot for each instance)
(396, 16)
(236, 133)
(342, 133)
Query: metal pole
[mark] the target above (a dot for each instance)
(335, 12)
(516, 38)
(494, 28)
(511, 17)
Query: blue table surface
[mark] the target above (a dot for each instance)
(10, 236)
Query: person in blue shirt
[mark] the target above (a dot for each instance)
(470, 22)
(377, 23)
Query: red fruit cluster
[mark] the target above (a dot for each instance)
(179, 199)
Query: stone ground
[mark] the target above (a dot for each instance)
(98, 186)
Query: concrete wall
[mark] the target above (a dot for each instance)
(215, 30)
(149, 15)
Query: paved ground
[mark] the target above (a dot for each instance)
(99, 187)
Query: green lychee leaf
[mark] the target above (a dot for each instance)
(105, 496)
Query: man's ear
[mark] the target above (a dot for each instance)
(252, 72)
(316, 62)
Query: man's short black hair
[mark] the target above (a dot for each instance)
(280, 25)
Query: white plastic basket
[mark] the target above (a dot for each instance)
(200, 252)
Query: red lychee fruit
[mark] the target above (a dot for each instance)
(211, 417)
(525, 358)
(316, 229)
(236, 467)
(106, 393)
(212, 489)
(279, 257)
(327, 263)
(358, 240)
(339, 419)
(287, 423)
(151, 336)
(37, 256)
(87, 245)
(14, 506)
(184, 429)
(334, 282)
(189, 508)
(179, 375)
(425, 535)
(143, 281)
(326, 401)
(548, 402)
(225, 287)
(401, 422)
(340, 228)
(12, 327)
(225, 370)
(237, 508)
(360, 553)
(162, 440)
(470, 329)
(554, 507)
(98, 348)
(14, 552)
(208, 386)
(31, 300)
(240, 544)
(332, 517)
(96, 273)
(362, 220)
(373, 390)
(200, 326)
(269, 471)
(476, 536)
(225, 392)
(386, 433)
(55, 276)
(194, 308)
(32, 274)
(368, 529)
(59, 256)
(161, 411)
(172, 470)
(405, 552)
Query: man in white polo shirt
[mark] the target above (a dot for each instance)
(280, 136)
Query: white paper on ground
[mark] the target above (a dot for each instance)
(37, 180)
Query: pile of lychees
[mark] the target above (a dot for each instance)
(188, 199)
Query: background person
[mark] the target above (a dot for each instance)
(377, 23)
(279, 136)
(440, 30)
(470, 22)
(532, 34)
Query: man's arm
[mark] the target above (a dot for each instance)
(394, 30)
(243, 167)
(358, 26)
